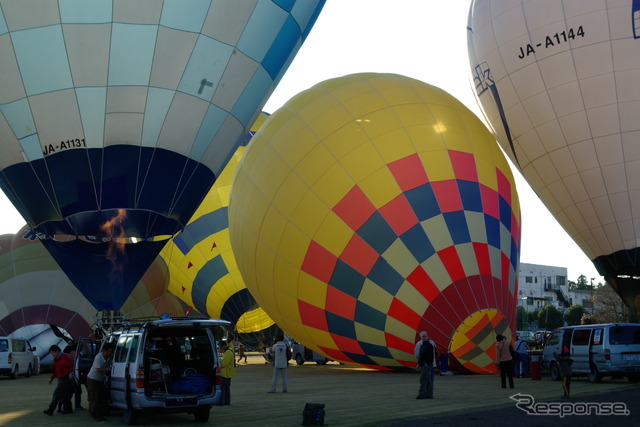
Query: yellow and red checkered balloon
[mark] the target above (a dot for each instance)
(371, 207)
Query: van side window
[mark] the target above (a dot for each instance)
(4, 346)
(581, 336)
(132, 345)
(121, 350)
(553, 339)
(19, 346)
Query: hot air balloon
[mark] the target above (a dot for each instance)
(371, 207)
(40, 302)
(203, 269)
(557, 81)
(117, 117)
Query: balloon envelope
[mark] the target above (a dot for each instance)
(203, 270)
(558, 81)
(116, 118)
(371, 207)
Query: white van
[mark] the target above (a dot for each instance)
(165, 366)
(597, 350)
(16, 357)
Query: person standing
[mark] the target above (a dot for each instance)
(96, 388)
(426, 355)
(564, 364)
(63, 371)
(241, 353)
(280, 364)
(227, 371)
(522, 361)
(504, 361)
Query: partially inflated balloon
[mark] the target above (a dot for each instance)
(371, 207)
(116, 117)
(558, 81)
(203, 269)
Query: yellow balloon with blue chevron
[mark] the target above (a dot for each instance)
(202, 267)
(371, 207)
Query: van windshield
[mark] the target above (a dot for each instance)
(624, 335)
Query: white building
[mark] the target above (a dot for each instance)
(541, 285)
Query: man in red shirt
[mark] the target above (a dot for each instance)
(62, 370)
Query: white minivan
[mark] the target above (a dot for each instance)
(597, 350)
(16, 357)
(167, 365)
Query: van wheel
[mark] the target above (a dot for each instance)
(299, 359)
(554, 371)
(594, 376)
(14, 374)
(201, 414)
(28, 373)
(131, 417)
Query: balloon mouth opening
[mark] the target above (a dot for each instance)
(113, 226)
(473, 342)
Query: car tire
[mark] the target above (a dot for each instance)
(131, 417)
(299, 359)
(28, 373)
(594, 376)
(554, 371)
(14, 374)
(201, 414)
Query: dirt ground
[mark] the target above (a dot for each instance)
(357, 397)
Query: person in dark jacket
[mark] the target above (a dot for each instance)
(62, 370)
(426, 360)
(564, 364)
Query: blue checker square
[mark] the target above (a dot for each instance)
(423, 201)
(346, 279)
(340, 325)
(376, 350)
(377, 233)
(458, 227)
(386, 276)
(416, 240)
(369, 316)
(470, 195)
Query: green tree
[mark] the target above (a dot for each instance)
(522, 318)
(549, 318)
(573, 315)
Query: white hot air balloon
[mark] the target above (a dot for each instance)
(558, 83)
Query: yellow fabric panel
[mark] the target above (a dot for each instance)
(380, 187)
(401, 355)
(447, 114)
(359, 100)
(396, 91)
(426, 138)
(289, 195)
(395, 327)
(317, 338)
(437, 272)
(477, 229)
(291, 151)
(310, 214)
(326, 122)
(413, 299)
(394, 145)
(487, 174)
(286, 275)
(285, 304)
(468, 259)
(253, 321)
(346, 138)
(400, 258)
(362, 161)
(379, 122)
(438, 231)
(384, 361)
(311, 167)
(368, 334)
(312, 290)
(438, 165)
(293, 245)
(333, 185)
(373, 295)
(333, 234)
(456, 138)
(272, 228)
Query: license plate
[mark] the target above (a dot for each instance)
(631, 357)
